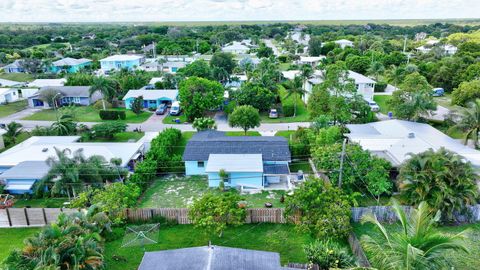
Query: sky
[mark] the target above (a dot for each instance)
(231, 10)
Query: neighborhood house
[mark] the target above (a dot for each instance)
(78, 95)
(8, 95)
(249, 161)
(121, 61)
(24, 164)
(151, 98)
(70, 65)
(15, 67)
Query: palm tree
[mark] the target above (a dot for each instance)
(375, 69)
(64, 126)
(470, 122)
(103, 86)
(295, 87)
(418, 245)
(13, 130)
(396, 74)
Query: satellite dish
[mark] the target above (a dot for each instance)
(141, 235)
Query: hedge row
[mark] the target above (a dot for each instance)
(287, 103)
(112, 115)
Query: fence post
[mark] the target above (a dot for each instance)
(8, 217)
(44, 216)
(26, 216)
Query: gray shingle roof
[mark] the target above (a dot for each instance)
(276, 169)
(73, 91)
(214, 258)
(204, 143)
(27, 170)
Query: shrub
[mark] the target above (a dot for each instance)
(287, 108)
(108, 129)
(328, 254)
(98, 105)
(112, 115)
(145, 172)
(380, 86)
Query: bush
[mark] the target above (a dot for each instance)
(287, 108)
(380, 86)
(328, 255)
(112, 115)
(108, 129)
(228, 109)
(145, 172)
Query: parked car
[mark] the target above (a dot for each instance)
(161, 109)
(175, 109)
(273, 113)
(373, 106)
(438, 92)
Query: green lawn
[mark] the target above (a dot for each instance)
(181, 192)
(461, 261)
(40, 203)
(301, 116)
(169, 119)
(120, 137)
(18, 77)
(241, 133)
(186, 136)
(12, 238)
(302, 165)
(382, 103)
(20, 138)
(11, 108)
(88, 114)
(285, 133)
(446, 101)
(280, 238)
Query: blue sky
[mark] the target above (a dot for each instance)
(227, 10)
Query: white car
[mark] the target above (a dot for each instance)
(373, 106)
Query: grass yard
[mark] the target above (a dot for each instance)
(181, 192)
(285, 133)
(186, 136)
(302, 112)
(446, 101)
(40, 203)
(89, 114)
(382, 102)
(460, 260)
(18, 77)
(12, 238)
(120, 137)
(280, 238)
(11, 108)
(302, 165)
(169, 119)
(241, 133)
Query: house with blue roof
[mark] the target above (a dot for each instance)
(250, 162)
(121, 61)
(70, 65)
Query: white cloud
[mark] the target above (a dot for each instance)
(191, 10)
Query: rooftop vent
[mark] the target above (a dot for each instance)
(44, 150)
(411, 135)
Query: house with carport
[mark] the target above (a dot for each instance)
(151, 98)
(67, 95)
(23, 165)
(250, 162)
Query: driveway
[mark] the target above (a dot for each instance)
(18, 115)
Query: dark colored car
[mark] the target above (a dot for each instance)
(161, 109)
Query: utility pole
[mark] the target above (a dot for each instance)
(405, 44)
(342, 157)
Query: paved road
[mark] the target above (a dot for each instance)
(154, 123)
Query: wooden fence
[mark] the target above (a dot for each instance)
(34, 217)
(357, 250)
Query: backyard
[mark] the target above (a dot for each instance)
(40, 203)
(12, 238)
(11, 108)
(87, 114)
(302, 112)
(18, 77)
(178, 192)
(382, 102)
(460, 260)
(283, 239)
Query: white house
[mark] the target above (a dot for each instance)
(47, 82)
(8, 95)
(343, 43)
(9, 83)
(364, 85)
(431, 44)
(236, 48)
(450, 49)
(310, 60)
(394, 140)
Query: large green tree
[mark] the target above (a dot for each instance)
(225, 61)
(416, 245)
(198, 68)
(245, 117)
(414, 99)
(443, 179)
(255, 95)
(466, 92)
(197, 95)
(320, 209)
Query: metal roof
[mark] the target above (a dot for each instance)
(210, 258)
(122, 57)
(27, 170)
(235, 163)
(204, 143)
(72, 91)
(68, 61)
(399, 138)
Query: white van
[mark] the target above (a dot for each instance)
(175, 109)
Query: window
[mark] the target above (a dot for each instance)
(200, 164)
